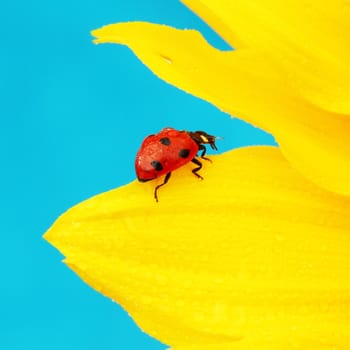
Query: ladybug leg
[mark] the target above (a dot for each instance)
(204, 150)
(166, 179)
(195, 170)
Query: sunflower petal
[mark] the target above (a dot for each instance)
(242, 83)
(272, 25)
(269, 344)
(253, 254)
(308, 39)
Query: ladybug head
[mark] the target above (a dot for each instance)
(201, 137)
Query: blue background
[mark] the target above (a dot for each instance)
(73, 115)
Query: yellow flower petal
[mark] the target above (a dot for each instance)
(308, 39)
(272, 25)
(244, 84)
(254, 255)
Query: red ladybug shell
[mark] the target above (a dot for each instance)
(164, 152)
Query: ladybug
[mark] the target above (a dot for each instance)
(169, 150)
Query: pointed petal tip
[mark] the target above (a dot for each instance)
(96, 33)
(48, 236)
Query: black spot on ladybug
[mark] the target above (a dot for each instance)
(143, 180)
(157, 165)
(165, 141)
(184, 153)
